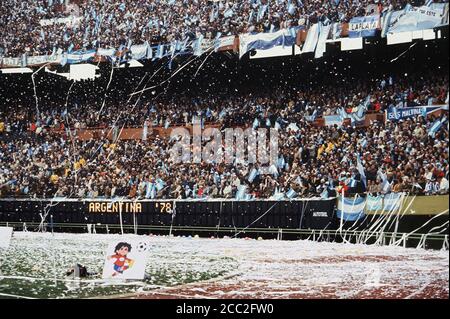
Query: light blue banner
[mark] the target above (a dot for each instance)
(363, 26)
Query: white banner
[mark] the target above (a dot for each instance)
(226, 41)
(321, 42)
(69, 21)
(11, 61)
(106, 52)
(417, 18)
(42, 59)
(139, 51)
(311, 39)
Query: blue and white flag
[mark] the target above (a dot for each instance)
(359, 27)
(352, 183)
(252, 175)
(261, 12)
(361, 172)
(80, 56)
(160, 184)
(311, 39)
(64, 59)
(266, 41)
(293, 127)
(149, 52)
(417, 18)
(217, 41)
(392, 201)
(106, 52)
(222, 114)
(255, 124)
(363, 142)
(24, 60)
(350, 209)
(273, 170)
(159, 52)
(70, 48)
(321, 40)
(212, 15)
(281, 162)
(197, 48)
(312, 117)
(291, 8)
(228, 13)
(150, 190)
(336, 30)
(374, 203)
(277, 195)
(139, 52)
(240, 194)
(436, 126)
(291, 193)
(396, 113)
(331, 120)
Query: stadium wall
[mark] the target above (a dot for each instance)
(297, 214)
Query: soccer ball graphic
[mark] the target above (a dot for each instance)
(142, 246)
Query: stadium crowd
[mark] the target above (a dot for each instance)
(27, 27)
(41, 158)
(84, 108)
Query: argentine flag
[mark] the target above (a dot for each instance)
(255, 124)
(252, 175)
(150, 191)
(436, 127)
(374, 203)
(392, 201)
(350, 209)
(240, 194)
(360, 168)
(291, 193)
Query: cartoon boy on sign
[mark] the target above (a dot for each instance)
(120, 260)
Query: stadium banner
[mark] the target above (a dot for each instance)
(374, 203)
(42, 59)
(311, 39)
(31, 60)
(392, 201)
(321, 41)
(106, 52)
(416, 18)
(331, 120)
(69, 21)
(126, 259)
(293, 213)
(363, 26)
(80, 56)
(350, 209)
(226, 43)
(10, 62)
(139, 52)
(5, 236)
(265, 41)
(395, 114)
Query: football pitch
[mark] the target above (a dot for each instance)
(35, 265)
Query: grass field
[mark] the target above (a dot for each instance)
(34, 266)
